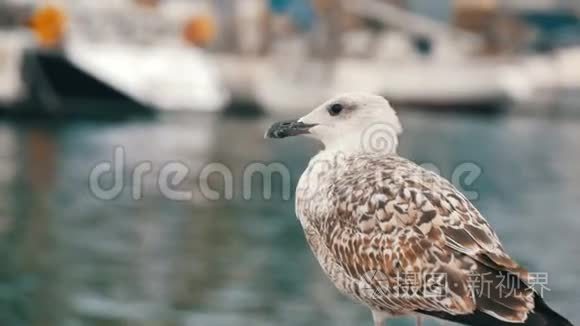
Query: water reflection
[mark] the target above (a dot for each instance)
(72, 259)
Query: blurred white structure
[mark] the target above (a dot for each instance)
(12, 45)
(289, 80)
(387, 64)
(168, 77)
(139, 51)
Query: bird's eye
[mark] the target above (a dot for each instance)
(335, 109)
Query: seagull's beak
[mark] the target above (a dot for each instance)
(285, 129)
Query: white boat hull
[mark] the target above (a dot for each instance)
(420, 83)
(166, 77)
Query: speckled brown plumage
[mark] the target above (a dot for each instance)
(375, 214)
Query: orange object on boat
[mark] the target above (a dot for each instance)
(199, 30)
(48, 24)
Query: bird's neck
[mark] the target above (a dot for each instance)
(357, 144)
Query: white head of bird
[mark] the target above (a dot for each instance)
(351, 122)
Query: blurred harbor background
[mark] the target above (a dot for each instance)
(492, 83)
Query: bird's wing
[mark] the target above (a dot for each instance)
(405, 220)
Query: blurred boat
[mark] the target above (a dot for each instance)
(419, 83)
(390, 63)
(483, 84)
(148, 50)
(37, 80)
(95, 59)
(57, 88)
(414, 61)
(169, 77)
(289, 82)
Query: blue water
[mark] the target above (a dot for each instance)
(70, 258)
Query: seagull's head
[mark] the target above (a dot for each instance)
(351, 122)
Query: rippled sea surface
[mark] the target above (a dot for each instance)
(68, 257)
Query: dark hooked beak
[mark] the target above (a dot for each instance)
(285, 129)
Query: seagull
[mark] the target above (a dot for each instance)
(395, 237)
